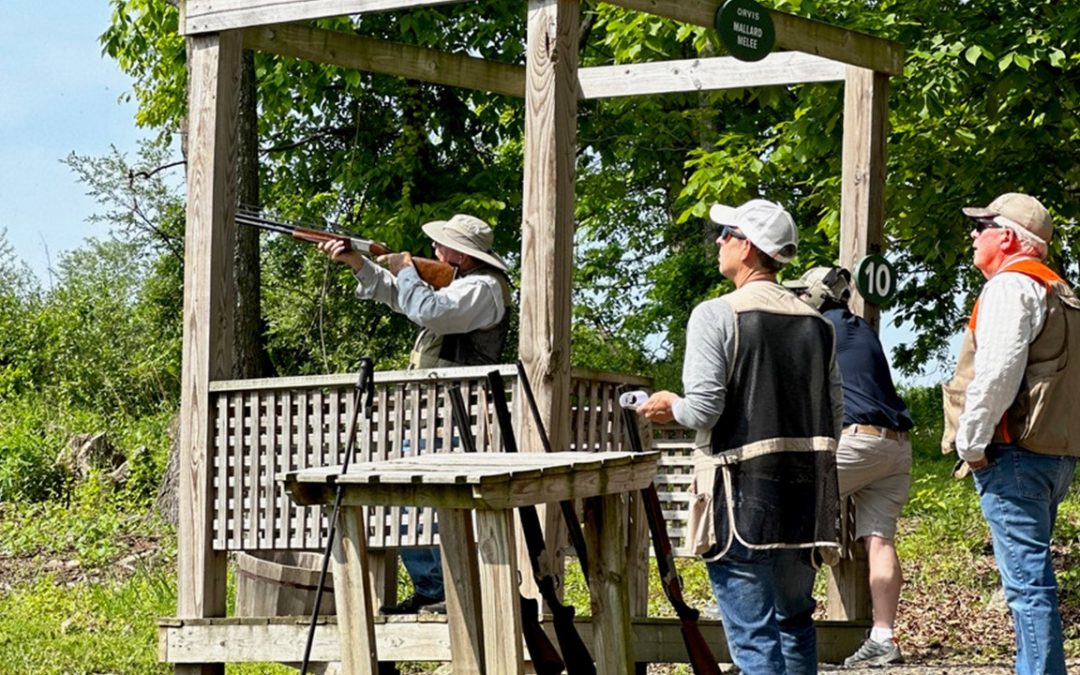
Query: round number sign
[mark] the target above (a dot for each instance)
(875, 277)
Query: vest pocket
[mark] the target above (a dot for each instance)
(700, 531)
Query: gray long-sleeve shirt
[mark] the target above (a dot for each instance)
(710, 349)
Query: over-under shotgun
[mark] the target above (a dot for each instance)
(575, 653)
(702, 660)
(545, 658)
(435, 272)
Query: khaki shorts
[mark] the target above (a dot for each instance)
(876, 472)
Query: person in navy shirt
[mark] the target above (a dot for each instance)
(873, 459)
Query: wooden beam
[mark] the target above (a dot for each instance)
(706, 74)
(206, 16)
(794, 33)
(547, 231)
(214, 70)
(862, 191)
(426, 638)
(388, 58)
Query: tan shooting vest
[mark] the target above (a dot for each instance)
(1044, 417)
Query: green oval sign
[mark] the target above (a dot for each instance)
(746, 29)
(875, 277)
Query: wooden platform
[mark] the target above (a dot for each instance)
(427, 638)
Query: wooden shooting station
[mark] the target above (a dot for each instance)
(237, 436)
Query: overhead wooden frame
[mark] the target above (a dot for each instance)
(551, 84)
(794, 33)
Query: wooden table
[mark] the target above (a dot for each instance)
(482, 578)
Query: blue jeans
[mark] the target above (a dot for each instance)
(1019, 492)
(766, 602)
(424, 565)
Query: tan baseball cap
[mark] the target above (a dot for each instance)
(1014, 209)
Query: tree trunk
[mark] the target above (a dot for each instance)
(248, 351)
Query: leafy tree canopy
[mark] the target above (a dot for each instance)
(987, 103)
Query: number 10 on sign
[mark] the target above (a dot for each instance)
(875, 277)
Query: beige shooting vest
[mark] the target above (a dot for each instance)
(1045, 416)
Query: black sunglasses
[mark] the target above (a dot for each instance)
(730, 231)
(983, 224)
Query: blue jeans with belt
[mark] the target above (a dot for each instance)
(767, 605)
(1019, 492)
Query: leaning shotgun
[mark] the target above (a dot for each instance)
(702, 660)
(575, 653)
(545, 658)
(434, 272)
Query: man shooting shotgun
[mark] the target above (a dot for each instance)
(464, 323)
(435, 272)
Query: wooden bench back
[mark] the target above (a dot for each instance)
(266, 427)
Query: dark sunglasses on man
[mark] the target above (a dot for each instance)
(982, 224)
(730, 231)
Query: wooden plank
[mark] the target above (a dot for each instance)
(288, 510)
(793, 33)
(461, 581)
(214, 79)
(426, 638)
(388, 58)
(548, 209)
(605, 534)
(503, 650)
(862, 191)
(204, 16)
(353, 595)
(706, 74)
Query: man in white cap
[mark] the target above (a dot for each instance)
(1011, 412)
(762, 388)
(465, 323)
(873, 459)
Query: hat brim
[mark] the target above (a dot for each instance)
(978, 212)
(723, 215)
(436, 231)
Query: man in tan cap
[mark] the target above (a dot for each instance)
(463, 324)
(762, 388)
(1010, 412)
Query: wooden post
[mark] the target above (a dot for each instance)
(353, 597)
(547, 234)
(862, 213)
(605, 532)
(862, 195)
(208, 310)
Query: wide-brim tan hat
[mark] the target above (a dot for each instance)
(467, 234)
(1016, 209)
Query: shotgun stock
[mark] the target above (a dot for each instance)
(435, 272)
(545, 658)
(575, 653)
(701, 657)
(573, 525)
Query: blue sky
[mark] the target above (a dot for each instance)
(58, 95)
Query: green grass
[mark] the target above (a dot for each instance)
(89, 614)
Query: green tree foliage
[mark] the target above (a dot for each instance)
(987, 103)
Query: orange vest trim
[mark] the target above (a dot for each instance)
(1039, 272)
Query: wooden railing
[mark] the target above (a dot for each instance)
(264, 428)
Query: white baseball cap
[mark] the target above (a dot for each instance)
(766, 224)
